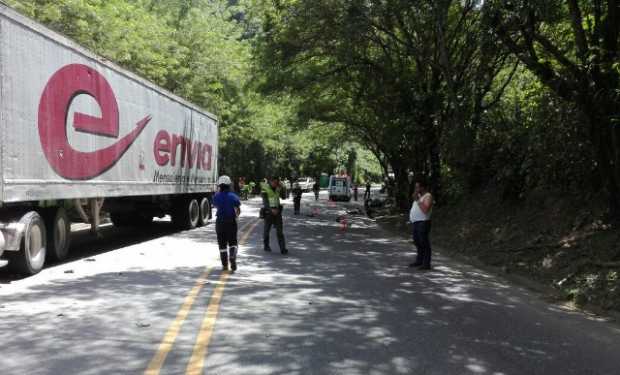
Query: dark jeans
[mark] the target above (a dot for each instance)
(297, 204)
(421, 237)
(274, 220)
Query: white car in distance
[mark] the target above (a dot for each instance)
(305, 183)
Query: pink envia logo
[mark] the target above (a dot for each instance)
(66, 84)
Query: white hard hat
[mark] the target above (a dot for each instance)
(224, 180)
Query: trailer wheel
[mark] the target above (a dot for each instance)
(30, 258)
(205, 211)
(187, 214)
(58, 234)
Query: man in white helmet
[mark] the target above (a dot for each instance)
(228, 210)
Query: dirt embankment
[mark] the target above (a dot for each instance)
(562, 242)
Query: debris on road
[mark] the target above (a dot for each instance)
(356, 211)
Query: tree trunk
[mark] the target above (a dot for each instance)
(606, 148)
(401, 182)
(435, 165)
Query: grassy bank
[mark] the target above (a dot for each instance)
(559, 241)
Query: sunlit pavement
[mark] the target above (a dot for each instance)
(342, 302)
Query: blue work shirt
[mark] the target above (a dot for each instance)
(225, 202)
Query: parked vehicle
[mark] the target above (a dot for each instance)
(339, 188)
(305, 183)
(80, 132)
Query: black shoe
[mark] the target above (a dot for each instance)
(415, 264)
(233, 264)
(284, 251)
(425, 268)
(225, 268)
(267, 249)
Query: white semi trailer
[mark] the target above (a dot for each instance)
(79, 134)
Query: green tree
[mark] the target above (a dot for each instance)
(572, 47)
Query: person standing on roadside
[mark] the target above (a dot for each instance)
(271, 193)
(228, 210)
(420, 216)
(316, 188)
(367, 192)
(297, 194)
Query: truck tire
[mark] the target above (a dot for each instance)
(205, 211)
(187, 214)
(30, 258)
(58, 227)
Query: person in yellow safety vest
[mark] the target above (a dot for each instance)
(271, 193)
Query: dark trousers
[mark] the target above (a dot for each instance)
(297, 204)
(274, 220)
(226, 231)
(421, 237)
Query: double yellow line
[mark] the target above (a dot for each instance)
(196, 363)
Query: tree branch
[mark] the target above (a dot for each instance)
(578, 31)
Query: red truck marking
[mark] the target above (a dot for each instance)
(193, 153)
(67, 83)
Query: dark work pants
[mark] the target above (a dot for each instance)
(421, 237)
(274, 220)
(226, 231)
(297, 204)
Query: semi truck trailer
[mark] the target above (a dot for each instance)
(81, 137)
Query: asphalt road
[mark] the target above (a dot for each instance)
(342, 302)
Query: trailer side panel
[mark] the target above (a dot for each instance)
(74, 126)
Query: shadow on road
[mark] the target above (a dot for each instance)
(85, 245)
(342, 302)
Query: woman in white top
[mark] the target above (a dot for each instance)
(420, 216)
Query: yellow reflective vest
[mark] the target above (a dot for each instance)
(273, 195)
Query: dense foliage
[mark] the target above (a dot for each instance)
(519, 94)
(514, 94)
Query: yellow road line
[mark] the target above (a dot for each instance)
(169, 338)
(244, 237)
(196, 363)
(167, 342)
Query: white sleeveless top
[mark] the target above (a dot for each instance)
(416, 213)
